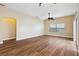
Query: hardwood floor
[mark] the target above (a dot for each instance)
(39, 46)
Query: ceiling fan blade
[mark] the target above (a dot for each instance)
(2, 4)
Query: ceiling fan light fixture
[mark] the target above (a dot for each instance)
(50, 18)
(40, 4)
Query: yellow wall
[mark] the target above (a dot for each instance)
(68, 31)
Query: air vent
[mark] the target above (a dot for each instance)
(2, 4)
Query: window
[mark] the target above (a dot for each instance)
(53, 28)
(56, 27)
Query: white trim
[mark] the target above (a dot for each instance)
(9, 38)
(60, 36)
(28, 37)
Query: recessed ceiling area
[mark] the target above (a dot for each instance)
(56, 10)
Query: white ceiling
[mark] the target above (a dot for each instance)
(56, 10)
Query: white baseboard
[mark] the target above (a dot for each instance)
(9, 38)
(27, 37)
(61, 36)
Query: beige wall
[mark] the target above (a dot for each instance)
(67, 20)
(26, 26)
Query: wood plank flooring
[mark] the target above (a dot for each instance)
(39, 46)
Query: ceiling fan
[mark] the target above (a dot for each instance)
(50, 18)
